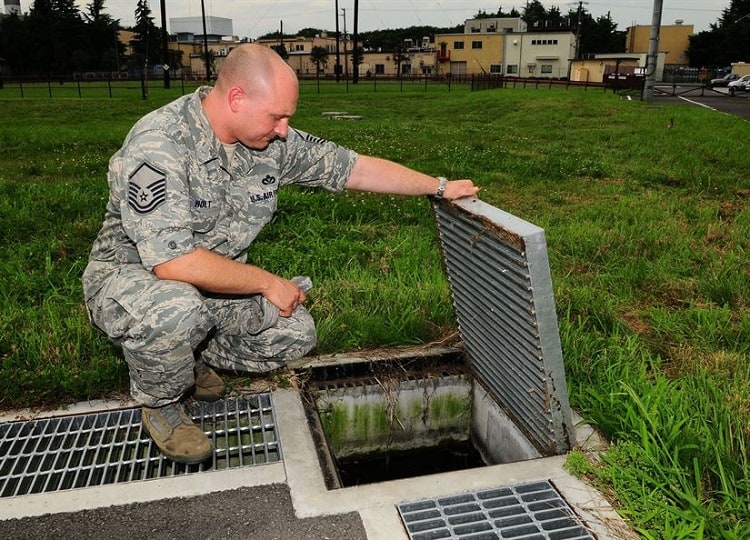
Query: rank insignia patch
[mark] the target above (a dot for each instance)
(310, 138)
(147, 189)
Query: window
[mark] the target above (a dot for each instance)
(513, 68)
(458, 44)
(299, 47)
(496, 69)
(379, 69)
(547, 68)
(476, 44)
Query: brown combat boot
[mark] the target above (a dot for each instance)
(175, 434)
(208, 385)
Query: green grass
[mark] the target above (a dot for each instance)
(647, 229)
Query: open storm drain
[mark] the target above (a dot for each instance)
(68, 452)
(529, 511)
(389, 420)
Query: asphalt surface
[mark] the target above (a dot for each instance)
(258, 513)
(699, 96)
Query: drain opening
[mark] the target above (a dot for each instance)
(394, 419)
(446, 456)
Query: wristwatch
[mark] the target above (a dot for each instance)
(443, 181)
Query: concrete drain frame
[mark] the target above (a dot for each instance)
(512, 497)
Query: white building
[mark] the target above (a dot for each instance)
(191, 28)
(13, 7)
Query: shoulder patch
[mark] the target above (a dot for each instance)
(147, 188)
(310, 138)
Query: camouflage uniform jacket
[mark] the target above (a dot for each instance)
(172, 189)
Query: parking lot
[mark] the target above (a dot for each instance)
(697, 95)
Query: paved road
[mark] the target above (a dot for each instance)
(699, 96)
(257, 513)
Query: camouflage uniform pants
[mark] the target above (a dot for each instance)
(164, 327)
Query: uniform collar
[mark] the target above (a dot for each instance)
(207, 144)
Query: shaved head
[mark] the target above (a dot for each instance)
(254, 68)
(254, 97)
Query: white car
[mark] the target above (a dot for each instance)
(743, 83)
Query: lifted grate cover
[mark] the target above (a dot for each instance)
(499, 275)
(531, 511)
(67, 452)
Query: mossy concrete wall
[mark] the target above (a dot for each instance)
(393, 414)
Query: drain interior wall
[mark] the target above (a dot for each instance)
(499, 276)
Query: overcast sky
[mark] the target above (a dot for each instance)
(253, 18)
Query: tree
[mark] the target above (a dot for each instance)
(534, 14)
(281, 50)
(387, 40)
(358, 56)
(482, 14)
(319, 55)
(147, 42)
(310, 32)
(59, 36)
(102, 29)
(599, 35)
(727, 41)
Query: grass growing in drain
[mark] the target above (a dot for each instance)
(647, 228)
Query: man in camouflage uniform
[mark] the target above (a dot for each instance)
(190, 189)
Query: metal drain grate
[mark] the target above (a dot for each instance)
(68, 452)
(524, 511)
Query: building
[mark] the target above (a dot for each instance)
(673, 41)
(502, 46)
(469, 54)
(499, 25)
(492, 46)
(603, 67)
(539, 54)
(300, 48)
(188, 40)
(407, 63)
(12, 7)
(184, 29)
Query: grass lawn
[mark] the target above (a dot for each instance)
(646, 215)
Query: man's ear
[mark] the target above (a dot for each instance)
(235, 97)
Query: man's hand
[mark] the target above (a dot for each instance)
(283, 294)
(213, 272)
(456, 189)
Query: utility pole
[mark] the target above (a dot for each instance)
(653, 53)
(164, 43)
(346, 64)
(337, 69)
(205, 43)
(355, 54)
(578, 29)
